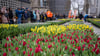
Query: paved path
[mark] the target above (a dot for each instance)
(96, 29)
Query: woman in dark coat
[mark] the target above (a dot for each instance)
(11, 16)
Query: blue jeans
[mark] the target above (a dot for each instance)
(85, 19)
(19, 20)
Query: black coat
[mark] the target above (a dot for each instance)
(10, 14)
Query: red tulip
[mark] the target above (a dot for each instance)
(12, 44)
(98, 38)
(70, 49)
(88, 41)
(9, 49)
(53, 37)
(90, 38)
(83, 45)
(4, 54)
(76, 40)
(24, 43)
(97, 51)
(49, 46)
(65, 35)
(27, 45)
(28, 54)
(77, 36)
(58, 37)
(73, 54)
(32, 54)
(70, 37)
(81, 37)
(38, 49)
(50, 39)
(65, 47)
(8, 45)
(46, 40)
(96, 46)
(24, 52)
(83, 49)
(62, 40)
(93, 50)
(54, 43)
(30, 49)
(7, 38)
(79, 48)
(5, 44)
(34, 34)
(16, 48)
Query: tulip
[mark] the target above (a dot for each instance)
(70, 49)
(73, 54)
(9, 49)
(30, 49)
(24, 52)
(83, 45)
(16, 48)
(24, 43)
(83, 49)
(50, 39)
(5, 44)
(4, 54)
(38, 49)
(98, 38)
(97, 51)
(79, 48)
(7, 38)
(12, 44)
(34, 34)
(58, 38)
(62, 40)
(28, 54)
(32, 54)
(88, 41)
(65, 47)
(49, 46)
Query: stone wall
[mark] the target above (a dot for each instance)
(13, 4)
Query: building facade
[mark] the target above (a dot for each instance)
(15, 3)
(93, 7)
(59, 6)
(41, 5)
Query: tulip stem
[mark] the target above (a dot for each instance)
(88, 53)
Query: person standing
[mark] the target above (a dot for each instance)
(4, 18)
(19, 13)
(49, 15)
(34, 15)
(11, 16)
(38, 16)
(80, 16)
(0, 17)
(25, 16)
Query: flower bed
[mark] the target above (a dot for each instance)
(94, 22)
(69, 42)
(8, 30)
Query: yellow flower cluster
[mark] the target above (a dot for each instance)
(57, 29)
(6, 26)
(52, 29)
(79, 27)
(76, 20)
